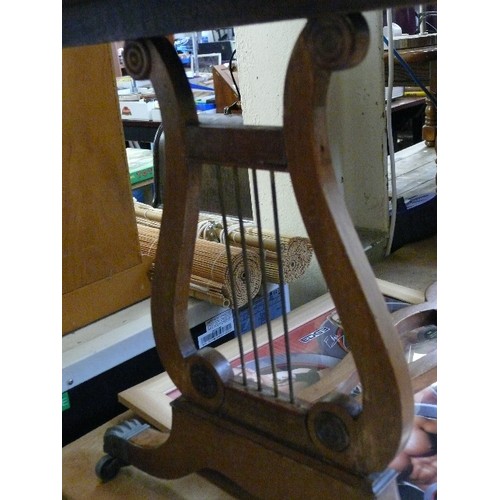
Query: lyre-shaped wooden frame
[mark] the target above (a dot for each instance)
(331, 448)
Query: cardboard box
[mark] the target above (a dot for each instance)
(136, 110)
(140, 165)
(155, 112)
(219, 329)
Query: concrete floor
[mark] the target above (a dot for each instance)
(414, 265)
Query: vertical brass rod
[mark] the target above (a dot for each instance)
(237, 322)
(282, 285)
(264, 280)
(247, 277)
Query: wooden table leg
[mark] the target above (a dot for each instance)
(429, 130)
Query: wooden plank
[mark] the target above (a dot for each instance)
(97, 21)
(400, 292)
(101, 298)
(102, 267)
(79, 481)
(98, 224)
(421, 61)
(225, 90)
(149, 400)
(415, 171)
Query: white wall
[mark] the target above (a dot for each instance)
(356, 124)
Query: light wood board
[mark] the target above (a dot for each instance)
(79, 480)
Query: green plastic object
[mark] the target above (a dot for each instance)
(140, 165)
(66, 405)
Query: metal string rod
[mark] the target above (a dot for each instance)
(281, 285)
(264, 281)
(247, 276)
(237, 322)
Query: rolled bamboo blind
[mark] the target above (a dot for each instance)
(212, 275)
(147, 212)
(296, 252)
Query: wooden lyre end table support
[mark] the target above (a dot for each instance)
(339, 446)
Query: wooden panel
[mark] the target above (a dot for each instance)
(225, 93)
(101, 298)
(421, 60)
(98, 221)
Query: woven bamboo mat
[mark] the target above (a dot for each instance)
(214, 278)
(293, 252)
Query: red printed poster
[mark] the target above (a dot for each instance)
(321, 343)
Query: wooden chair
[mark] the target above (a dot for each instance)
(333, 445)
